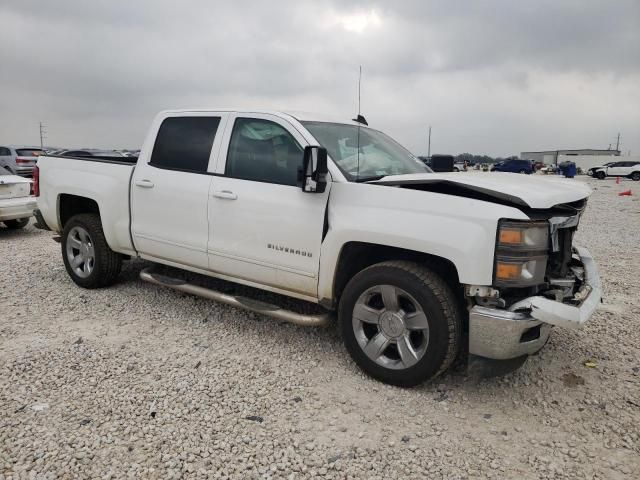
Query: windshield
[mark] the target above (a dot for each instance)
(379, 154)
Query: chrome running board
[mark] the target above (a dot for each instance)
(235, 300)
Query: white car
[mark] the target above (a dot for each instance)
(419, 267)
(626, 168)
(16, 203)
(19, 160)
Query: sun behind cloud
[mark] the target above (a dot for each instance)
(357, 22)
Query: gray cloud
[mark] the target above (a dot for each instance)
(491, 77)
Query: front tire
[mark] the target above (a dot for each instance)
(87, 257)
(400, 322)
(600, 175)
(16, 224)
(635, 176)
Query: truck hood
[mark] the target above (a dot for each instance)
(533, 191)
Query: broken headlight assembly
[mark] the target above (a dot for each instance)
(521, 253)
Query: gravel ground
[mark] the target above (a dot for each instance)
(141, 381)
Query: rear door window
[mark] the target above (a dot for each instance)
(184, 143)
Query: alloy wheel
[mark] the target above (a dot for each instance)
(390, 327)
(80, 252)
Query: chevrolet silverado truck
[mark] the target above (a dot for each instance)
(419, 268)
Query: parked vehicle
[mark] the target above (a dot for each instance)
(513, 166)
(19, 160)
(592, 170)
(439, 163)
(417, 266)
(460, 167)
(626, 168)
(16, 203)
(92, 153)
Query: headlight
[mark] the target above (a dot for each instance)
(521, 253)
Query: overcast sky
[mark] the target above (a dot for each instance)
(491, 77)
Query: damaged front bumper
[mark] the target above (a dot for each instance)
(524, 328)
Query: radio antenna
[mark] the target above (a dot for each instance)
(358, 117)
(359, 82)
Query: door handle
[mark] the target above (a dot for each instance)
(144, 183)
(226, 194)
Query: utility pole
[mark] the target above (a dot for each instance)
(618, 142)
(43, 134)
(429, 144)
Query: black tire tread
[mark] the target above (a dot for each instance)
(17, 223)
(108, 262)
(445, 297)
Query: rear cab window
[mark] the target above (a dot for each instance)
(184, 143)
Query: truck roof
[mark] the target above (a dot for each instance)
(298, 115)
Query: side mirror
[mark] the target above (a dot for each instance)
(313, 177)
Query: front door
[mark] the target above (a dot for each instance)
(263, 227)
(170, 190)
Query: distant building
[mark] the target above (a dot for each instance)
(550, 157)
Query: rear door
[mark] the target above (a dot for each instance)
(617, 168)
(170, 189)
(627, 168)
(263, 227)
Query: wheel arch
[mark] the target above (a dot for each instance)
(355, 256)
(70, 205)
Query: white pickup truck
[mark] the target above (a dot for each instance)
(419, 267)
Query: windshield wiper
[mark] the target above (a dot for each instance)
(371, 178)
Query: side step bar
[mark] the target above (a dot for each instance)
(236, 301)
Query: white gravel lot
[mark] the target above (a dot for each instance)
(141, 381)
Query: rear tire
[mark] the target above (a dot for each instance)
(600, 175)
(635, 176)
(412, 323)
(17, 224)
(87, 257)
(522, 171)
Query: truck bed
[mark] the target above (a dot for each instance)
(104, 180)
(101, 158)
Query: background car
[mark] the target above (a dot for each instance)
(627, 168)
(514, 166)
(19, 160)
(89, 152)
(460, 167)
(592, 170)
(439, 163)
(16, 203)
